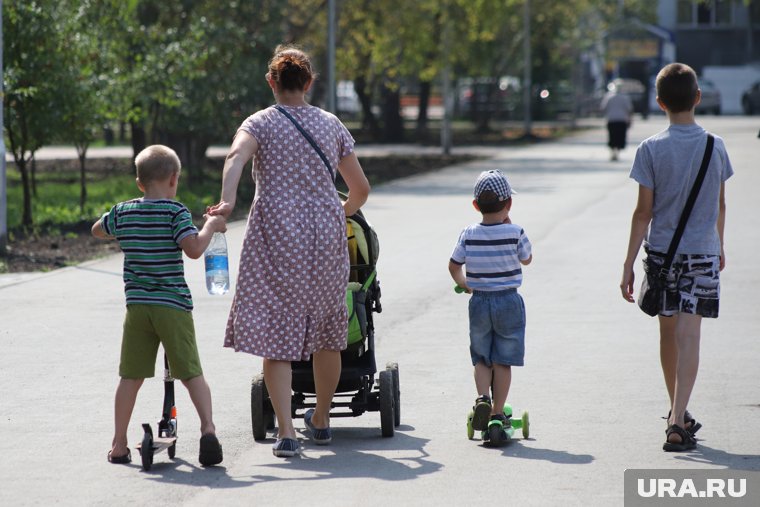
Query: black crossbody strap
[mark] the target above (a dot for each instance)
(689, 203)
(310, 139)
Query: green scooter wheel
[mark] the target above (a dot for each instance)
(497, 436)
(525, 425)
(470, 429)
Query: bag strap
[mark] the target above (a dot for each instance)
(310, 139)
(689, 204)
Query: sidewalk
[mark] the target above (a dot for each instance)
(362, 150)
(592, 381)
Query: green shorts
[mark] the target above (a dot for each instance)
(145, 326)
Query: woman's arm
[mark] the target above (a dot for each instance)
(642, 215)
(243, 147)
(358, 186)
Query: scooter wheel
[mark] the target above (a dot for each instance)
(495, 435)
(172, 450)
(525, 425)
(146, 451)
(470, 429)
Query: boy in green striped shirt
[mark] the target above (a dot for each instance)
(153, 232)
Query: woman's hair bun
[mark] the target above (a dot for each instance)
(290, 68)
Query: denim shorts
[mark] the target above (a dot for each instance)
(497, 328)
(693, 284)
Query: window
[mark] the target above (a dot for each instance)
(685, 12)
(700, 13)
(754, 12)
(704, 13)
(723, 12)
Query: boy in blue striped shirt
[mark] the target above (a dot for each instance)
(492, 253)
(153, 232)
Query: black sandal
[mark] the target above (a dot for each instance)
(687, 442)
(690, 424)
(694, 425)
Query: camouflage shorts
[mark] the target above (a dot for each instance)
(693, 284)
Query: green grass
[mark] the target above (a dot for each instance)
(56, 205)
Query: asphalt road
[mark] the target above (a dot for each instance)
(592, 381)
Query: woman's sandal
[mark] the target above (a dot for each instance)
(687, 442)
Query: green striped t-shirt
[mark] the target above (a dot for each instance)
(149, 232)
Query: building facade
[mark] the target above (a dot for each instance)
(713, 32)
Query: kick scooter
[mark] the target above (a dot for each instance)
(167, 426)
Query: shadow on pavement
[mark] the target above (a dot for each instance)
(354, 455)
(169, 472)
(710, 456)
(516, 450)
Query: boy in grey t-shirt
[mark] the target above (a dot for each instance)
(665, 167)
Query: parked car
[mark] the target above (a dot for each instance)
(710, 102)
(488, 95)
(347, 100)
(751, 99)
(553, 100)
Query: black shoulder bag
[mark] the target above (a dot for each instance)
(659, 282)
(356, 299)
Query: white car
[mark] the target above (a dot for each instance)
(710, 102)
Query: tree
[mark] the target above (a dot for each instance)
(191, 69)
(85, 90)
(34, 70)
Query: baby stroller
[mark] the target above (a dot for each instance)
(358, 390)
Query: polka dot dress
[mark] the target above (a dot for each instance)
(291, 288)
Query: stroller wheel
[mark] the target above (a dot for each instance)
(258, 417)
(386, 403)
(393, 368)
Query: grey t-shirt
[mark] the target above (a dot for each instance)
(617, 107)
(668, 163)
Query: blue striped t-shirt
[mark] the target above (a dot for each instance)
(149, 232)
(491, 254)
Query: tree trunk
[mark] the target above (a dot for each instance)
(34, 176)
(393, 123)
(26, 219)
(82, 154)
(422, 113)
(191, 151)
(18, 149)
(138, 138)
(369, 122)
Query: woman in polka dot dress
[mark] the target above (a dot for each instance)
(290, 295)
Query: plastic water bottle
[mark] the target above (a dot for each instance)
(217, 265)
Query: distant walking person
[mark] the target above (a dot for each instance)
(666, 168)
(618, 109)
